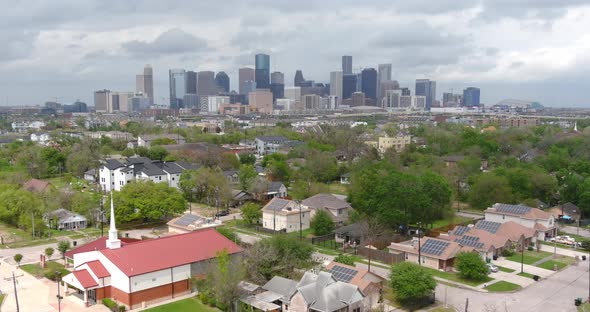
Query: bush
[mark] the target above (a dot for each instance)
(109, 303)
(530, 248)
(411, 283)
(345, 259)
(507, 252)
(321, 223)
(122, 308)
(471, 266)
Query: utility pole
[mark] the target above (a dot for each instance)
(101, 217)
(33, 223)
(13, 278)
(59, 296)
(419, 247)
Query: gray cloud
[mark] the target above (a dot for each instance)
(415, 35)
(16, 45)
(173, 41)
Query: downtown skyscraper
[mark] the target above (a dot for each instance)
(426, 88)
(336, 80)
(144, 83)
(262, 70)
(346, 65)
(177, 81)
(369, 83)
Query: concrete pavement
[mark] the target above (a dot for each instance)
(575, 230)
(564, 251)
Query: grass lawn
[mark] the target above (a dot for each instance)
(502, 286)
(585, 307)
(503, 269)
(444, 222)
(442, 309)
(530, 257)
(549, 265)
(451, 276)
(564, 246)
(337, 188)
(184, 305)
(525, 274)
(2, 296)
(51, 266)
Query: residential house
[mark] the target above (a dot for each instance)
(90, 175)
(269, 144)
(62, 219)
(41, 138)
(370, 284)
(275, 189)
(320, 292)
(232, 176)
(146, 140)
(114, 174)
(285, 215)
(349, 234)
(434, 253)
(345, 178)
(567, 212)
(336, 206)
(26, 126)
(398, 142)
(37, 186)
(452, 161)
(190, 222)
(144, 272)
(533, 218)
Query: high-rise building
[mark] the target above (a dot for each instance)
(245, 74)
(139, 102)
(206, 83)
(102, 101)
(471, 97)
(369, 83)
(190, 101)
(336, 86)
(214, 103)
(260, 100)
(299, 81)
(392, 99)
(383, 75)
(121, 101)
(144, 83)
(262, 71)
(427, 88)
(286, 104)
(177, 87)
(346, 65)
(406, 91)
(249, 86)
(277, 90)
(222, 81)
(348, 85)
(293, 93)
(277, 77)
(190, 81)
(311, 101)
(384, 87)
(358, 99)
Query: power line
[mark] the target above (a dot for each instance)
(14, 281)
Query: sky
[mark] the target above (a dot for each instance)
(537, 50)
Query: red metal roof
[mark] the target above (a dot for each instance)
(98, 244)
(98, 269)
(170, 251)
(85, 279)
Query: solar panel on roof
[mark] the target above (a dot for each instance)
(434, 247)
(514, 209)
(343, 274)
(488, 226)
(470, 241)
(460, 230)
(186, 220)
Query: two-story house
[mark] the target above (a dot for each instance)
(285, 215)
(269, 144)
(534, 218)
(336, 207)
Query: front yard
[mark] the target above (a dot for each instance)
(452, 276)
(502, 286)
(184, 305)
(49, 271)
(530, 257)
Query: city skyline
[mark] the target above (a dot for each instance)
(458, 44)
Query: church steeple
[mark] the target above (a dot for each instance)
(113, 242)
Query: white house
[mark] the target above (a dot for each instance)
(25, 126)
(269, 144)
(533, 218)
(41, 138)
(140, 273)
(285, 215)
(114, 174)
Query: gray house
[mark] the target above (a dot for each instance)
(269, 144)
(63, 219)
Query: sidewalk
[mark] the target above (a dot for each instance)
(527, 268)
(564, 251)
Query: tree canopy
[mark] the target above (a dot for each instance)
(471, 266)
(148, 201)
(411, 283)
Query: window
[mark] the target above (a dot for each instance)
(160, 178)
(340, 211)
(172, 179)
(503, 217)
(286, 307)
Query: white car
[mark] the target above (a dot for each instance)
(492, 267)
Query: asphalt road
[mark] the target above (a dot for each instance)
(574, 230)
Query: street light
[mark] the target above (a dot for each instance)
(522, 257)
(59, 297)
(419, 247)
(300, 221)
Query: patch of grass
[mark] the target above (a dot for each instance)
(503, 269)
(50, 267)
(445, 222)
(549, 265)
(443, 309)
(2, 296)
(502, 286)
(184, 305)
(525, 274)
(530, 257)
(337, 188)
(585, 307)
(451, 276)
(564, 246)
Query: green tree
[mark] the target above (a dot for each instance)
(302, 189)
(17, 205)
(157, 153)
(229, 234)
(223, 280)
(63, 246)
(411, 283)
(471, 266)
(163, 141)
(247, 174)
(322, 166)
(149, 201)
(18, 258)
(277, 255)
(481, 195)
(247, 159)
(321, 223)
(344, 259)
(49, 252)
(128, 152)
(251, 213)
(206, 185)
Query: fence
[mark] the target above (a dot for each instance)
(382, 256)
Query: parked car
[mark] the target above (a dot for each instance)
(492, 268)
(222, 213)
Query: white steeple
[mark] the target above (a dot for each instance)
(113, 242)
(576, 126)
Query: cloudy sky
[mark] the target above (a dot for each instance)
(524, 49)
